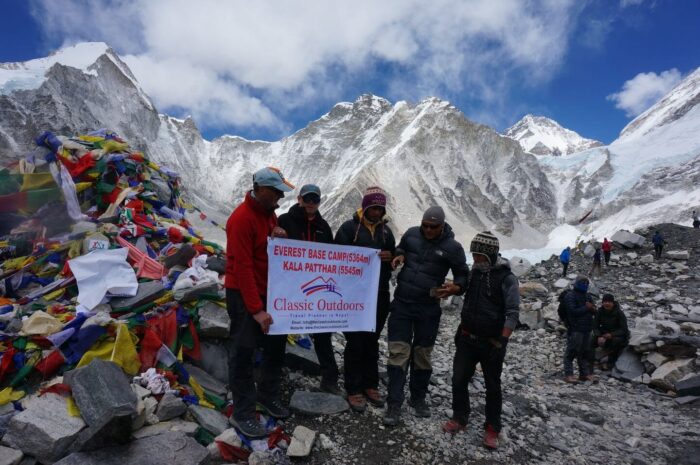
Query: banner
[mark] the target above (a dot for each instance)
(321, 288)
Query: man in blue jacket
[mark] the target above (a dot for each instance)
(565, 258)
(427, 253)
(580, 311)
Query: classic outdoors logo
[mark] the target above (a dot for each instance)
(320, 284)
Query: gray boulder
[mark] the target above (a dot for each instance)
(45, 429)
(317, 403)
(678, 254)
(170, 448)
(670, 372)
(533, 289)
(7, 411)
(9, 456)
(213, 321)
(519, 266)
(187, 427)
(106, 401)
(689, 386)
(209, 419)
(628, 366)
(627, 239)
(170, 407)
(302, 440)
(208, 382)
(214, 359)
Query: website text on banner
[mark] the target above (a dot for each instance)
(320, 288)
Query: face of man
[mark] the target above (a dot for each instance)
(310, 203)
(478, 258)
(608, 305)
(431, 229)
(374, 213)
(268, 197)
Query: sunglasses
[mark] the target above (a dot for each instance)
(311, 198)
(430, 226)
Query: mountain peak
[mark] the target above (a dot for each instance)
(31, 74)
(673, 106)
(544, 136)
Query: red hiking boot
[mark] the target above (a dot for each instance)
(357, 402)
(490, 438)
(453, 427)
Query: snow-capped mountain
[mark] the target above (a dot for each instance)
(544, 136)
(423, 154)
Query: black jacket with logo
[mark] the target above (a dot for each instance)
(299, 227)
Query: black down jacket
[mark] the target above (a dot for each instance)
(427, 263)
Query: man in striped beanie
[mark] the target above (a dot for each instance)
(489, 315)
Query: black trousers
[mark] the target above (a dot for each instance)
(245, 337)
(566, 267)
(362, 352)
(613, 347)
(326, 359)
(471, 352)
(658, 249)
(577, 347)
(412, 331)
(606, 255)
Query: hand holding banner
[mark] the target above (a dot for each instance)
(321, 288)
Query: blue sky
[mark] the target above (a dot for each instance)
(265, 69)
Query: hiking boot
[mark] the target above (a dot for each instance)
(249, 427)
(453, 426)
(331, 388)
(490, 438)
(420, 408)
(374, 397)
(357, 402)
(391, 417)
(274, 408)
(571, 379)
(590, 378)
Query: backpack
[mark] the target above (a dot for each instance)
(561, 310)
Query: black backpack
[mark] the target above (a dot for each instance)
(561, 310)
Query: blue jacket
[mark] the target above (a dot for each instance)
(658, 239)
(565, 256)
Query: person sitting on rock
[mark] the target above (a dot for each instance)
(659, 242)
(565, 259)
(610, 331)
(579, 313)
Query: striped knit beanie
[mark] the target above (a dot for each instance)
(374, 197)
(486, 244)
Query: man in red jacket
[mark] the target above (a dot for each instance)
(247, 231)
(607, 249)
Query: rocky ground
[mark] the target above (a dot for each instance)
(641, 413)
(545, 420)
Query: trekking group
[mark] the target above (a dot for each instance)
(425, 255)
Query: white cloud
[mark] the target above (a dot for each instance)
(644, 90)
(231, 62)
(626, 3)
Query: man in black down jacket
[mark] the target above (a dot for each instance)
(489, 315)
(368, 228)
(304, 222)
(427, 252)
(579, 313)
(610, 331)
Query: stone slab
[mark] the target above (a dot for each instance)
(207, 381)
(170, 448)
(209, 419)
(214, 321)
(317, 403)
(302, 441)
(628, 366)
(305, 360)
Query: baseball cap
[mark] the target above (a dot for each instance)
(310, 189)
(272, 177)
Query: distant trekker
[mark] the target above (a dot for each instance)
(597, 265)
(565, 259)
(659, 242)
(607, 249)
(696, 220)
(579, 314)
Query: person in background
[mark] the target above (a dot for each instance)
(248, 229)
(579, 314)
(565, 259)
(368, 228)
(659, 242)
(489, 316)
(696, 220)
(607, 250)
(304, 222)
(610, 331)
(597, 263)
